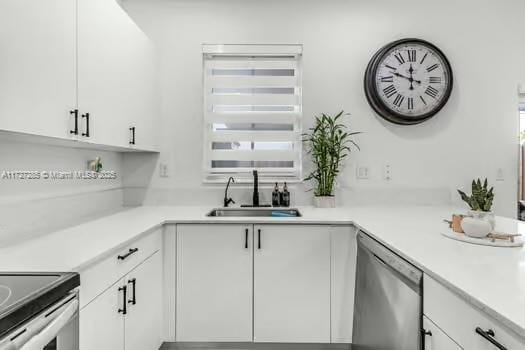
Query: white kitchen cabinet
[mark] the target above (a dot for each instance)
(37, 66)
(344, 260)
(460, 320)
(101, 325)
(130, 279)
(115, 76)
(214, 283)
(291, 283)
(143, 323)
(436, 339)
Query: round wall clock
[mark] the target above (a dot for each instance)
(408, 81)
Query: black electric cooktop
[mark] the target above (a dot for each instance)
(24, 295)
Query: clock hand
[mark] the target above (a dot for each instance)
(411, 70)
(407, 78)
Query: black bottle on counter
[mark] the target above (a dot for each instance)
(286, 196)
(276, 196)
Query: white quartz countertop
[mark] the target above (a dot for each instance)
(492, 279)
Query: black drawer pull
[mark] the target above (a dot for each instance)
(131, 251)
(246, 239)
(124, 309)
(133, 283)
(489, 336)
(86, 134)
(259, 239)
(75, 114)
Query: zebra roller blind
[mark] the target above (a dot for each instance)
(252, 111)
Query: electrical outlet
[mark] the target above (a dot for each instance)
(500, 175)
(362, 172)
(163, 170)
(387, 173)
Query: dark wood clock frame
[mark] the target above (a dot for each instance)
(372, 94)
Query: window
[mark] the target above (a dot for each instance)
(252, 111)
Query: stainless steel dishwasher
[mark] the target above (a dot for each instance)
(388, 299)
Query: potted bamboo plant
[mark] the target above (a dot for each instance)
(328, 143)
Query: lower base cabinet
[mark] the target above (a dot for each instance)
(265, 283)
(469, 327)
(291, 284)
(101, 325)
(128, 315)
(214, 283)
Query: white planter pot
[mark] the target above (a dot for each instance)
(324, 201)
(484, 215)
(474, 227)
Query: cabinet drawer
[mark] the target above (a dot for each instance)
(99, 276)
(459, 319)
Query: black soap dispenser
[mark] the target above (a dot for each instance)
(276, 196)
(286, 196)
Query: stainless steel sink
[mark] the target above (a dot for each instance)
(254, 212)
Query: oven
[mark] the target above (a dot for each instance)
(55, 328)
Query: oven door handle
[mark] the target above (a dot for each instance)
(46, 335)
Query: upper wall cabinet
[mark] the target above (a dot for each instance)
(37, 66)
(116, 66)
(78, 70)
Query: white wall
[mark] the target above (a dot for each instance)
(473, 136)
(34, 207)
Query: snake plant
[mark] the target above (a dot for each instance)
(481, 198)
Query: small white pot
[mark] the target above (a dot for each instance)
(324, 201)
(477, 228)
(484, 215)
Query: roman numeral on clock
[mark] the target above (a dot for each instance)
(432, 67)
(389, 79)
(399, 58)
(390, 67)
(410, 103)
(423, 100)
(412, 54)
(398, 101)
(434, 80)
(423, 59)
(430, 91)
(390, 91)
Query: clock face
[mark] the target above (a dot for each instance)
(408, 81)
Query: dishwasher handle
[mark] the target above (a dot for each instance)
(407, 272)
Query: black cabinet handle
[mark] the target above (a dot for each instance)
(130, 251)
(86, 134)
(75, 114)
(259, 239)
(489, 336)
(246, 239)
(124, 309)
(132, 129)
(133, 283)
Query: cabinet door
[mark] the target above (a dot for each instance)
(436, 339)
(292, 284)
(143, 323)
(114, 71)
(101, 323)
(214, 283)
(344, 261)
(37, 66)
